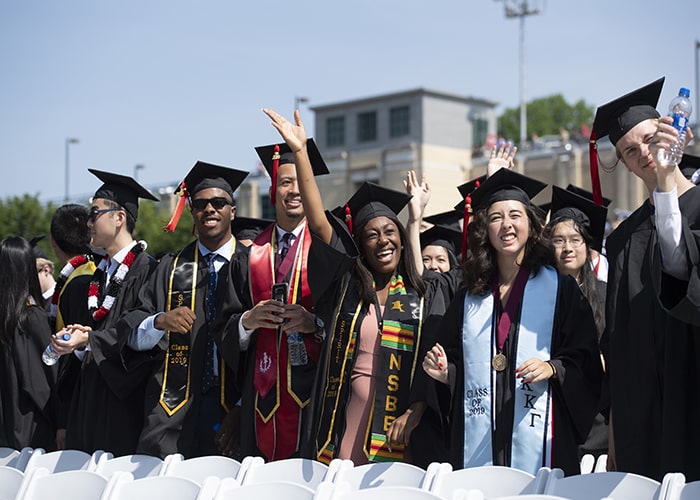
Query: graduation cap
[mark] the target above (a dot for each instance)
(38, 251)
(248, 228)
(506, 184)
(468, 187)
(121, 189)
(203, 176)
(448, 219)
(372, 200)
(273, 156)
(586, 194)
(618, 117)
(569, 205)
(690, 165)
(443, 236)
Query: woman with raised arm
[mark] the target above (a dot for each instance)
(369, 391)
(516, 361)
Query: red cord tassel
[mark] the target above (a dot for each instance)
(467, 214)
(172, 225)
(275, 168)
(348, 217)
(595, 175)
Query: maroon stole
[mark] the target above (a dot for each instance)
(277, 426)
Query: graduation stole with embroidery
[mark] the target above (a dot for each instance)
(400, 340)
(80, 265)
(182, 288)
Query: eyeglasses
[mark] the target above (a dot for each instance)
(218, 203)
(96, 212)
(574, 241)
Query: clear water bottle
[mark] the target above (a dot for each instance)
(297, 349)
(680, 109)
(49, 356)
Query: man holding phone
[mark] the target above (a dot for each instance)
(279, 332)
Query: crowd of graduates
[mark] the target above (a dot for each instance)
(505, 333)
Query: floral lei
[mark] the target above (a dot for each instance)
(67, 270)
(99, 311)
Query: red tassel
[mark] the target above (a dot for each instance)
(172, 225)
(595, 175)
(348, 217)
(467, 214)
(275, 168)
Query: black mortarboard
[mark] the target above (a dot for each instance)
(38, 251)
(468, 187)
(121, 189)
(586, 194)
(207, 175)
(618, 117)
(248, 228)
(569, 205)
(443, 236)
(505, 184)
(689, 165)
(449, 219)
(372, 200)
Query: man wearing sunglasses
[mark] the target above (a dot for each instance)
(191, 394)
(106, 412)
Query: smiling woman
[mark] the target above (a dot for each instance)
(369, 395)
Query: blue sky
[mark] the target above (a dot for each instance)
(166, 83)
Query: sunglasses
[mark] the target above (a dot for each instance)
(96, 212)
(218, 203)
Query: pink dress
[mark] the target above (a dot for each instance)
(363, 382)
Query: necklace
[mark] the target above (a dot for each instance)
(99, 311)
(67, 270)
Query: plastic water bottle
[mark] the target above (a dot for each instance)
(680, 109)
(49, 356)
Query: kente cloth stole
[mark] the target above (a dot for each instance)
(182, 289)
(87, 269)
(532, 438)
(277, 390)
(400, 341)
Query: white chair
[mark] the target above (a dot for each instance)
(534, 496)
(601, 465)
(294, 470)
(41, 484)
(139, 466)
(63, 460)
(10, 481)
(492, 480)
(230, 489)
(587, 463)
(198, 469)
(617, 485)
(387, 493)
(13, 458)
(163, 488)
(383, 474)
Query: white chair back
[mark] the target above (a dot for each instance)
(8, 456)
(10, 481)
(163, 488)
(63, 460)
(601, 465)
(493, 481)
(41, 484)
(139, 466)
(390, 493)
(383, 474)
(617, 485)
(302, 471)
(229, 489)
(587, 463)
(198, 469)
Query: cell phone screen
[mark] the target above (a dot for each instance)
(280, 292)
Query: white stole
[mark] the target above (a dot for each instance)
(532, 424)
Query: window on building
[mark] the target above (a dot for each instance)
(480, 129)
(335, 131)
(367, 126)
(399, 120)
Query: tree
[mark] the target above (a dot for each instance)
(25, 216)
(545, 116)
(149, 227)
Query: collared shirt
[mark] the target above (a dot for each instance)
(146, 336)
(668, 220)
(243, 334)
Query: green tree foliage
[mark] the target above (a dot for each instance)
(545, 116)
(149, 227)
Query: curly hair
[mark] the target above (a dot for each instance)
(406, 268)
(482, 264)
(69, 229)
(587, 279)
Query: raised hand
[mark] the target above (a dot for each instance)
(502, 156)
(293, 134)
(419, 191)
(435, 364)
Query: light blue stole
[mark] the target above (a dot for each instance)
(532, 424)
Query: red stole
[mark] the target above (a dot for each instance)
(277, 426)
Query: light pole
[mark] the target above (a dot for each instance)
(69, 141)
(136, 170)
(299, 100)
(521, 9)
(697, 81)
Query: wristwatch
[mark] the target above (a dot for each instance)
(319, 323)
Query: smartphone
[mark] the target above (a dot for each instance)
(280, 292)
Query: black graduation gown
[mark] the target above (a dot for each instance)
(330, 268)
(107, 408)
(652, 348)
(162, 434)
(576, 392)
(25, 385)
